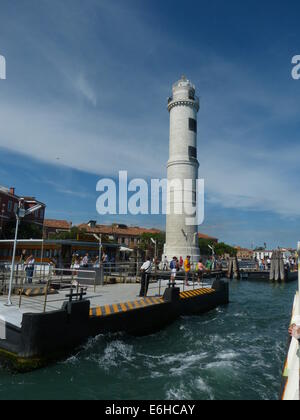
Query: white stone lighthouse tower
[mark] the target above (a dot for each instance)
(181, 239)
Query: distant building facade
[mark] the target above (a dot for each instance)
(9, 204)
(244, 253)
(286, 252)
(123, 235)
(53, 227)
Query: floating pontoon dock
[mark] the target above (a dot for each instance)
(46, 322)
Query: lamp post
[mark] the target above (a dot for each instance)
(155, 247)
(99, 238)
(20, 214)
(212, 248)
(2, 217)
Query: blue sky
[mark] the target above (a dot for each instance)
(85, 97)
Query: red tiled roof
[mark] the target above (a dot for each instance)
(57, 224)
(115, 230)
(204, 236)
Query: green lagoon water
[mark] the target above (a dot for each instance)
(234, 352)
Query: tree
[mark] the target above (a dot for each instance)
(222, 248)
(26, 230)
(219, 248)
(147, 245)
(204, 246)
(72, 234)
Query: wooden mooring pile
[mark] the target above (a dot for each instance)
(233, 269)
(277, 270)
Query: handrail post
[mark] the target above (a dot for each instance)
(21, 291)
(46, 295)
(20, 298)
(159, 288)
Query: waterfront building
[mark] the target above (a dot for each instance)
(54, 227)
(244, 253)
(123, 235)
(9, 205)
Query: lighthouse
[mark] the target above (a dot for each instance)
(183, 166)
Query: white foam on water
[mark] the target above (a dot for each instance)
(203, 387)
(185, 358)
(115, 353)
(90, 344)
(73, 360)
(214, 339)
(178, 394)
(225, 364)
(155, 374)
(187, 362)
(230, 355)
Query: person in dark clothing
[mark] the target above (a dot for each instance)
(29, 268)
(145, 272)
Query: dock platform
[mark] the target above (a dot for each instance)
(40, 330)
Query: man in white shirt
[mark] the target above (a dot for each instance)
(166, 264)
(146, 271)
(85, 261)
(29, 268)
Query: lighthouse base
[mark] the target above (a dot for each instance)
(182, 251)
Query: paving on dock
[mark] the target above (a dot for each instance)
(106, 300)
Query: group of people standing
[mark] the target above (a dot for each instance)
(175, 266)
(86, 262)
(265, 263)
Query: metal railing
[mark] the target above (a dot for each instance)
(50, 286)
(47, 280)
(123, 272)
(158, 281)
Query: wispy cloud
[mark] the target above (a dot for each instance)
(60, 188)
(84, 87)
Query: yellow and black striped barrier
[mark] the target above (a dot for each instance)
(142, 303)
(125, 307)
(194, 293)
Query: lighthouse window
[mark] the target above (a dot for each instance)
(192, 152)
(193, 125)
(192, 95)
